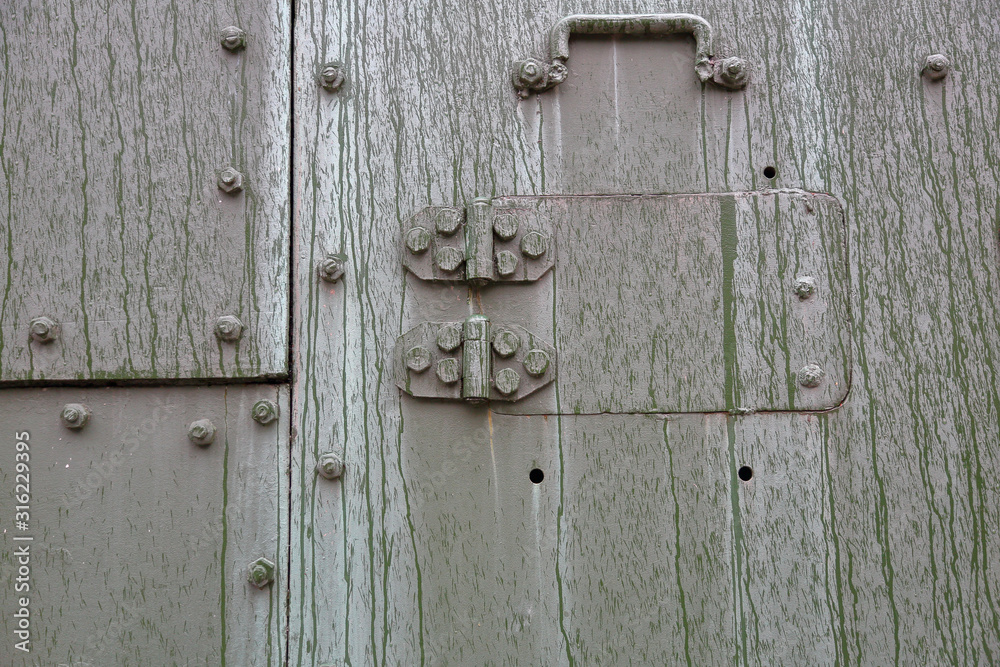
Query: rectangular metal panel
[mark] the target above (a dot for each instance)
(116, 125)
(141, 539)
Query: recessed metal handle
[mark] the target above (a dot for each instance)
(531, 75)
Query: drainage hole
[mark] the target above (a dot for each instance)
(745, 473)
(770, 172)
(536, 476)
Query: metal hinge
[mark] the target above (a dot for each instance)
(473, 360)
(480, 244)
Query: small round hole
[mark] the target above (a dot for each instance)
(770, 172)
(745, 473)
(536, 476)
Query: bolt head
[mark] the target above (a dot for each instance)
(733, 72)
(810, 376)
(331, 269)
(936, 67)
(507, 381)
(534, 245)
(331, 77)
(232, 38)
(264, 411)
(448, 221)
(230, 181)
(260, 573)
(805, 287)
(528, 73)
(43, 330)
(418, 240)
(449, 370)
(201, 432)
(228, 328)
(449, 337)
(506, 343)
(75, 415)
(506, 263)
(536, 362)
(505, 225)
(418, 358)
(449, 258)
(329, 466)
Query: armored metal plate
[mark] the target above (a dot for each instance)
(690, 303)
(115, 226)
(140, 539)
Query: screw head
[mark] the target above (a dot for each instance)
(536, 362)
(331, 77)
(201, 432)
(331, 268)
(230, 181)
(448, 221)
(75, 415)
(329, 466)
(534, 245)
(43, 330)
(506, 343)
(733, 72)
(506, 263)
(418, 240)
(810, 376)
(232, 38)
(936, 67)
(507, 381)
(260, 573)
(264, 411)
(449, 337)
(449, 258)
(228, 328)
(449, 370)
(805, 287)
(418, 358)
(505, 225)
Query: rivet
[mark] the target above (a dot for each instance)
(232, 38)
(201, 432)
(75, 415)
(936, 67)
(260, 573)
(810, 376)
(264, 411)
(449, 258)
(505, 225)
(331, 77)
(230, 181)
(506, 343)
(507, 381)
(418, 359)
(506, 263)
(448, 221)
(534, 245)
(418, 240)
(449, 370)
(449, 337)
(43, 330)
(733, 72)
(331, 269)
(329, 466)
(228, 328)
(805, 287)
(536, 362)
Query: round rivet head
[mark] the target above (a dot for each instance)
(506, 263)
(449, 370)
(228, 328)
(810, 376)
(418, 240)
(331, 269)
(536, 362)
(804, 287)
(329, 466)
(506, 343)
(418, 359)
(74, 415)
(230, 181)
(43, 330)
(534, 245)
(331, 77)
(448, 221)
(507, 381)
(232, 38)
(505, 226)
(201, 432)
(264, 411)
(449, 337)
(260, 573)
(449, 258)
(936, 67)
